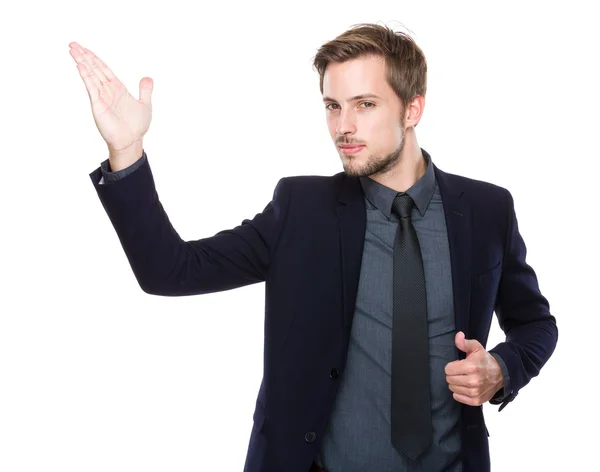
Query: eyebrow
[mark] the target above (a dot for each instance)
(353, 99)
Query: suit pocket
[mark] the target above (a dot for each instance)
(488, 280)
(484, 290)
(483, 273)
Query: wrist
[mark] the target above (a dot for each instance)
(498, 374)
(123, 158)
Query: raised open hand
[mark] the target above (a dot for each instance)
(121, 119)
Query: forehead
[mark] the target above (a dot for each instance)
(355, 76)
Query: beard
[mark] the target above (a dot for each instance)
(374, 164)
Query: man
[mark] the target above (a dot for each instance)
(380, 280)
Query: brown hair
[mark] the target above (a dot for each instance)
(406, 67)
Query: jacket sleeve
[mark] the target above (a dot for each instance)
(163, 263)
(502, 393)
(523, 314)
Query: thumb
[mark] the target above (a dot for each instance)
(146, 87)
(465, 345)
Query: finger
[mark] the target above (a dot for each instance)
(97, 77)
(459, 341)
(462, 367)
(105, 69)
(466, 400)
(91, 82)
(466, 391)
(471, 381)
(473, 345)
(90, 85)
(101, 70)
(77, 53)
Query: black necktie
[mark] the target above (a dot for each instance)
(410, 407)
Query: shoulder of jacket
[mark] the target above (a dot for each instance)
(476, 188)
(301, 182)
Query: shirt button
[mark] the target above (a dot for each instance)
(310, 437)
(334, 374)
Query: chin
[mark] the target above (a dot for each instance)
(356, 167)
(356, 171)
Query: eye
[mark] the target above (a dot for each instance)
(361, 103)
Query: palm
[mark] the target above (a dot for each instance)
(120, 118)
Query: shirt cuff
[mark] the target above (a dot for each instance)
(108, 176)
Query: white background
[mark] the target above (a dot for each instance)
(96, 375)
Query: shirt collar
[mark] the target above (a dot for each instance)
(421, 191)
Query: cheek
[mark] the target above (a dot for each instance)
(331, 125)
(390, 137)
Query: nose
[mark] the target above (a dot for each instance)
(345, 123)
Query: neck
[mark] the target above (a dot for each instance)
(410, 166)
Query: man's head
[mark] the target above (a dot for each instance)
(369, 59)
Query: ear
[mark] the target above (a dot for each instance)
(413, 111)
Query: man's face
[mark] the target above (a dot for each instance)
(375, 123)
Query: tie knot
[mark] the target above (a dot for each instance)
(402, 205)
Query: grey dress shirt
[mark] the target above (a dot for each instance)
(358, 435)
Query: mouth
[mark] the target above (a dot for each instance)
(351, 149)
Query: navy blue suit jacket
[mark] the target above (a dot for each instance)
(306, 245)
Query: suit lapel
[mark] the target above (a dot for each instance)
(352, 219)
(351, 212)
(459, 226)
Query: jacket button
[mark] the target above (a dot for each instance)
(310, 437)
(334, 374)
